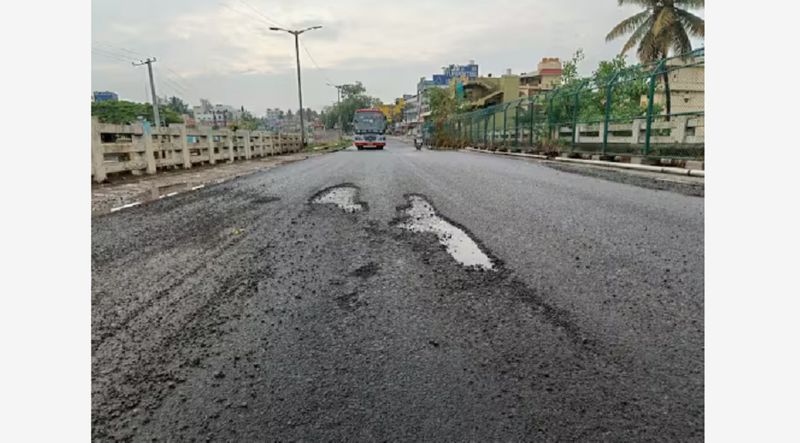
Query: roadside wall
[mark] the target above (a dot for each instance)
(138, 150)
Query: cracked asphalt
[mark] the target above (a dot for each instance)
(243, 312)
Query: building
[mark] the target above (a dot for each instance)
(104, 96)
(273, 117)
(546, 78)
(470, 71)
(686, 86)
(465, 72)
(216, 115)
(487, 91)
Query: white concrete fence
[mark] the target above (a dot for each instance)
(121, 148)
(680, 130)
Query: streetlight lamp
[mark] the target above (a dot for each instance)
(338, 104)
(296, 34)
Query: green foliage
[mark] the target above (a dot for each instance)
(353, 97)
(178, 105)
(125, 112)
(443, 106)
(627, 85)
(248, 121)
(662, 26)
(569, 72)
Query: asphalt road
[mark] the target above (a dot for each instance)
(243, 312)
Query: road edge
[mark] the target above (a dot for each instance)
(126, 205)
(648, 168)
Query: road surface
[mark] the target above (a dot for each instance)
(246, 311)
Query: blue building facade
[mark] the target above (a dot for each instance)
(104, 96)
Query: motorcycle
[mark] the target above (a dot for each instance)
(418, 143)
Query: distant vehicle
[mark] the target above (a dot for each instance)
(369, 127)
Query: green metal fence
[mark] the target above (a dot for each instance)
(652, 109)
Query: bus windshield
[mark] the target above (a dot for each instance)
(369, 122)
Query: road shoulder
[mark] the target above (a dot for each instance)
(131, 190)
(681, 184)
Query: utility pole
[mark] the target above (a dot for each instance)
(149, 63)
(339, 105)
(296, 34)
(299, 90)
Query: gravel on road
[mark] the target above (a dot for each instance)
(256, 310)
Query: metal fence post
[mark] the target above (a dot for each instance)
(651, 91)
(607, 116)
(575, 113)
(530, 113)
(516, 125)
(494, 125)
(505, 125)
(551, 118)
(485, 128)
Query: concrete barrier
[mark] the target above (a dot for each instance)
(137, 149)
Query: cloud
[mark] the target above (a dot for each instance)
(390, 44)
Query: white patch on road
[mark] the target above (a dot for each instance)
(422, 217)
(129, 205)
(341, 196)
(198, 187)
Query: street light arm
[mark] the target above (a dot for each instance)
(309, 29)
(273, 28)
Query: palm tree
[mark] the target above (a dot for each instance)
(663, 25)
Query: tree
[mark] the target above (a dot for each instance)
(352, 90)
(178, 105)
(248, 122)
(663, 26)
(353, 97)
(125, 112)
(443, 105)
(569, 73)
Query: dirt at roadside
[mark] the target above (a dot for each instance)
(691, 186)
(132, 189)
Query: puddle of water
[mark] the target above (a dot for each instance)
(342, 196)
(422, 217)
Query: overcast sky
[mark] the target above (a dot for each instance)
(223, 51)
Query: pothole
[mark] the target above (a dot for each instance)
(421, 216)
(344, 196)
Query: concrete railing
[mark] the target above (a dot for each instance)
(679, 130)
(135, 149)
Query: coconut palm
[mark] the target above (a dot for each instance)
(664, 25)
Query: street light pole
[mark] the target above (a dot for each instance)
(296, 34)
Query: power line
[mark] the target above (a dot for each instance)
(261, 14)
(178, 79)
(174, 86)
(244, 14)
(315, 62)
(119, 48)
(184, 79)
(111, 54)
